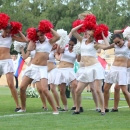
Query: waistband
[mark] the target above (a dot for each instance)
(6, 60)
(92, 66)
(37, 66)
(118, 68)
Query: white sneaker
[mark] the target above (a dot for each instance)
(55, 113)
(21, 110)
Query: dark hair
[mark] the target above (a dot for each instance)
(117, 36)
(8, 26)
(37, 30)
(73, 39)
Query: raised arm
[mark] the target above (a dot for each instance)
(60, 50)
(24, 55)
(75, 34)
(20, 38)
(79, 57)
(55, 38)
(58, 56)
(117, 31)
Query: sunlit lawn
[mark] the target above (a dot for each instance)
(37, 119)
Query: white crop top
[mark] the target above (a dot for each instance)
(5, 42)
(43, 47)
(32, 53)
(52, 56)
(68, 56)
(124, 51)
(88, 49)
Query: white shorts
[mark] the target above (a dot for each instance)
(6, 66)
(128, 75)
(52, 75)
(65, 75)
(90, 73)
(36, 72)
(117, 75)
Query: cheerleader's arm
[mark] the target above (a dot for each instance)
(75, 34)
(55, 38)
(20, 38)
(78, 57)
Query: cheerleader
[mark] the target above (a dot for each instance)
(118, 71)
(66, 71)
(117, 87)
(38, 68)
(32, 54)
(8, 34)
(92, 73)
(92, 89)
(52, 70)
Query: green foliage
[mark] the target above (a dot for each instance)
(114, 13)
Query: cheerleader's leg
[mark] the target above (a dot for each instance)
(98, 86)
(63, 95)
(126, 93)
(10, 81)
(42, 96)
(25, 82)
(94, 94)
(116, 96)
(55, 94)
(107, 87)
(80, 87)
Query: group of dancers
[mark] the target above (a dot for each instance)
(44, 45)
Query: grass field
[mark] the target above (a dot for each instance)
(37, 119)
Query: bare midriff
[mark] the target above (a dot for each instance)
(88, 61)
(51, 66)
(120, 61)
(40, 58)
(4, 53)
(64, 64)
(128, 63)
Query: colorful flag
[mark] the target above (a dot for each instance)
(20, 64)
(102, 61)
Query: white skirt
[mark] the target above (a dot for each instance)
(6, 66)
(90, 73)
(52, 75)
(65, 75)
(128, 75)
(36, 72)
(117, 75)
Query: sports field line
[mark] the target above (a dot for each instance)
(37, 113)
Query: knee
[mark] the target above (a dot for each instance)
(106, 90)
(53, 90)
(124, 92)
(117, 90)
(62, 92)
(11, 85)
(77, 92)
(22, 89)
(40, 91)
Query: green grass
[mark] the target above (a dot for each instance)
(37, 119)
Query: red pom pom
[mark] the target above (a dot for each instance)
(77, 23)
(49, 35)
(90, 18)
(44, 26)
(32, 34)
(15, 27)
(89, 25)
(4, 18)
(98, 32)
